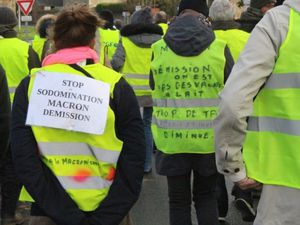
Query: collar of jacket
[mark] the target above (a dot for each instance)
(135, 29)
(7, 32)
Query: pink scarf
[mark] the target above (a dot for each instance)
(71, 56)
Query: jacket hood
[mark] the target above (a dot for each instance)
(295, 4)
(251, 14)
(188, 35)
(143, 35)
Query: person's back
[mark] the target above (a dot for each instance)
(189, 69)
(16, 57)
(77, 132)
(265, 82)
(132, 58)
(225, 28)
(108, 38)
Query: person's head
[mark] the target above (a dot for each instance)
(43, 25)
(161, 17)
(199, 6)
(118, 24)
(108, 17)
(263, 5)
(142, 16)
(221, 10)
(7, 17)
(75, 26)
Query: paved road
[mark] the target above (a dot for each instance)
(152, 207)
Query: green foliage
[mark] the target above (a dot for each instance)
(115, 8)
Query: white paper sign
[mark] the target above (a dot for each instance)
(69, 102)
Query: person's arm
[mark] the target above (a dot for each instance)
(247, 77)
(126, 187)
(39, 181)
(4, 114)
(118, 59)
(33, 59)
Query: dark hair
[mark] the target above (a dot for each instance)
(75, 26)
(108, 16)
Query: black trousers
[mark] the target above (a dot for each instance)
(203, 194)
(222, 196)
(10, 187)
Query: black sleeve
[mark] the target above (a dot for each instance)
(33, 59)
(42, 185)
(4, 114)
(126, 187)
(151, 78)
(229, 63)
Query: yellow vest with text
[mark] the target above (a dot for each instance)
(14, 60)
(136, 67)
(38, 45)
(108, 39)
(185, 98)
(235, 39)
(84, 164)
(271, 149)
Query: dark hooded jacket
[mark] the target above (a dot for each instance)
(142, 35)
(250, 18)
(189, 36)
(4, 115)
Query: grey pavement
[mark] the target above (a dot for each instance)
(152, 206)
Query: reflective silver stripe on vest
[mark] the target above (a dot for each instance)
(278, 81)
(137, 76)
(174, 103)
(142, 87)
(68, 149)
(89, 183)
(12, 90)
(271, 124)
(183, 124)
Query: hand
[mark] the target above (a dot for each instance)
(248, 183)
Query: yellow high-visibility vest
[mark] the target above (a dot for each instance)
(185, 98)
(38, 46)
(271, 149)
(14, 60)
(235, 39)
(84, 164)
(109, 40)
(136, 67)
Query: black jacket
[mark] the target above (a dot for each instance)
(4, 114)
(250, 18)
(189, 36)
(50, 197)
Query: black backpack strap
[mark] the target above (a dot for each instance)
(79, 68)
